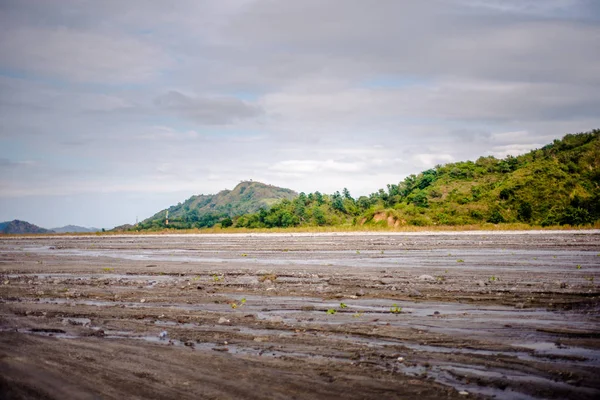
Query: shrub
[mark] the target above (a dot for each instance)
(525, 211)
(496, 217)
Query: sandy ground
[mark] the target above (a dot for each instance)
(510, 315)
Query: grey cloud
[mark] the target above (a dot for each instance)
(79, 55)
(6, 163)
(354, 38)
(219, 110)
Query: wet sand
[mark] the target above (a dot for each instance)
(510, 315)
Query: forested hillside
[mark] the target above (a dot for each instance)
(207, 210)
(556, 185)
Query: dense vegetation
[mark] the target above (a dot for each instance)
(204, 211)
(558, 184)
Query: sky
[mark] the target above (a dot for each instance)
(113, 110)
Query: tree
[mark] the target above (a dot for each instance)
(319, 198)
(302, 198)
(575, 216)
(496, 217)
(319, 216)
(337, 203)
(525, 211)
(300, 209)
(346, 194)
(287, 219)
(506, 193)
(226, 222)
(419, 199)
(364, 202)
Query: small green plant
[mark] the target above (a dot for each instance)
(343, 305)
(578, 266)
(331, 311)
(216, 278)
(493, 278)
(235, 305)
(440, 278)
(244, 255)
(460, 260)
(107, 269)
(395, 309)
(196, 278)
(357, 315)
(268, 277)
(357, 251)
(589, 278)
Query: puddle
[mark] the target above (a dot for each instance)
(449, 375)
(551, 349)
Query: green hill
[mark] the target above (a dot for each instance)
(207, 210)
(558, 184)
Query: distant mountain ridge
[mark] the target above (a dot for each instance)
(207, 210)
(74, 229)
(18, 227)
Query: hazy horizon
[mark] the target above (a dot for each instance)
(111, 111)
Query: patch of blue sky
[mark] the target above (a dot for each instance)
(177, 124)
(172, 122)
(22, 149)
(13, 73)
(29, 76)
(107, 87)
(247, 95)
(394, 82)
(12, 149)
(230, 132)
(60, 83)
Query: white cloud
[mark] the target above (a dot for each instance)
(428, 160)
(305, 167)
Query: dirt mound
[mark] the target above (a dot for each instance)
(383, 216)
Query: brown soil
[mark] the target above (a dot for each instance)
(301, 316)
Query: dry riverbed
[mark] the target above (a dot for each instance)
(511, 315)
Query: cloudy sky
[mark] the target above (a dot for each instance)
(115, 109)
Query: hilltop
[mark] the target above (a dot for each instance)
(207, 210)
(19, 227)
(558, 184)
